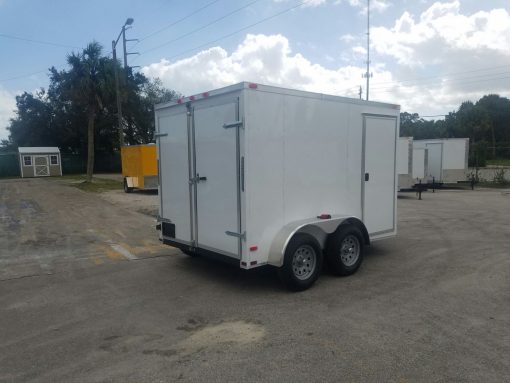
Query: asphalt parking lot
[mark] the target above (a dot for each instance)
(88, 294)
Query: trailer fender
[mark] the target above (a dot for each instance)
(317, 227)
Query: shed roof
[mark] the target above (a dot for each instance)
(38, 149)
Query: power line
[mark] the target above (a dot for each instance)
(38, 41)
(241, 29)
(442, 75)
(22, 76)
(444, 79)
(465, 80)
(179, 20)
(201, 28)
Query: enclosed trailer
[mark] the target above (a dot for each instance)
(405, 163)
(39, 161)
(262, 175)
(139, 167)
(447, 158)
(420, 164)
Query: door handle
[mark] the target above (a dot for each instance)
(201, 178)
(367, 176)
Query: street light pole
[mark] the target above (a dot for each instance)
(119, 104)
(122, 33)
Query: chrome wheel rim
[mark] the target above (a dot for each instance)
(349, 250)
(303, 262)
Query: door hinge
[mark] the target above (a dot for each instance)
(157, 135)
(238, 235)
(234, 124)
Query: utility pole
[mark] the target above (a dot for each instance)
(117, 91)
(360, 92)
(367, 75)
(122, 33)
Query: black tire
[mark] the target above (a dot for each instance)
(127, 189)
(296, 274)
(341, 253)
(190, 253)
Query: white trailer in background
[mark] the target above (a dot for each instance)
(420, 164)
(405, 163)
(447, 158)
(260, 175)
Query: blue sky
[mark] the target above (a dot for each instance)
(427, 55)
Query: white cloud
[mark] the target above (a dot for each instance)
(259, 58)
(269, 59)
(442, 35)
(7, 107)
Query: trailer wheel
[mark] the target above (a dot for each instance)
(302, 262)
(345, 250)
(190, 253)
(127, 189)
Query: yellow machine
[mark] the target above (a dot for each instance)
(139, 167)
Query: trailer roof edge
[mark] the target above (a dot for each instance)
(272, 89)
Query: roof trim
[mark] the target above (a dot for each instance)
(38, 149)
(270, 89)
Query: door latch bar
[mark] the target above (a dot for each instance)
(234, 124)
(237, 235)
(157, 135)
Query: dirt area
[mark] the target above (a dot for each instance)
(145, 202)
(87, 293)
(46, 223)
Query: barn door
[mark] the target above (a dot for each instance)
(41, 166)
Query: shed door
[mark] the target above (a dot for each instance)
(216, 175)
(435, 157)
(378, 178)
(41, 166)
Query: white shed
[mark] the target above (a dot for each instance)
(40, 161)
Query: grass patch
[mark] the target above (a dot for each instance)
(502, 162)
(97, 185)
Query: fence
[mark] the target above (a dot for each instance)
(9, 165)
(71, 164)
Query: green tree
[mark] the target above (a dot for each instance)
(88, 84)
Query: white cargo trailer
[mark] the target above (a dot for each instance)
(447, 158)
(263, 175)
(405, 163)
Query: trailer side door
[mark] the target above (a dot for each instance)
(379, 173)
(435, 151)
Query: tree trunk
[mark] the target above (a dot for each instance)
(90, 143)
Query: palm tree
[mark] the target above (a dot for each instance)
(88, 83)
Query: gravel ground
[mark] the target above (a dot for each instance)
(432, 305)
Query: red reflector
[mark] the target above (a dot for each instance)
(254, 248)
(324, 216)
(252, 86)
(192, 98)
(205, 94)
(179, 100)
(243, 263)
(253, 263)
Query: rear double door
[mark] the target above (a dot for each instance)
(207, 213)
(216, 170)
